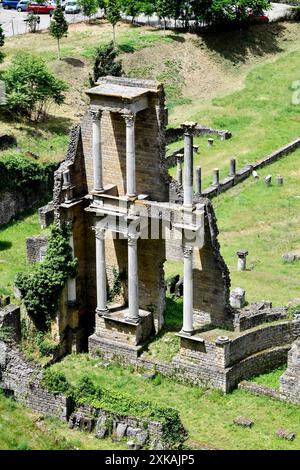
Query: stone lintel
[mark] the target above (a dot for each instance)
(72, 203)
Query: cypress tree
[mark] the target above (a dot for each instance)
(58, 26)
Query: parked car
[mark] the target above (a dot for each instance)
(22, 5)
(10, 4)
(72, 7)
(257, 17)
(40, 8)
(62, 3)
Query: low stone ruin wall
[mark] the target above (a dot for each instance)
(139, 432)
(12, 204)
(36, 248)
(175, 133)
(258, 389)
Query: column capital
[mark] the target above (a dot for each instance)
(187, 251)
(129, 119)
(99, 232)
(95, 113)
(132, 238)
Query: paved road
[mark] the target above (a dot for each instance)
(13, 21)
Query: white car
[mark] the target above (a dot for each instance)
(62, 3)
(72, 7)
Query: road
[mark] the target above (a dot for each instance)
(13, 21)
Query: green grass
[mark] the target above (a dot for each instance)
(206, 414)
(13, 248)
(22, 429)
(265, 221)
(270, 379)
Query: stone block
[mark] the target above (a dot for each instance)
(238, 298)
(284, 434)
(244, 422)
(121, 430)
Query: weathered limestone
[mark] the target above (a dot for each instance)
(130, 154)
(188, 327)
(268, 180)
(238, 298)
(198, 180)
(96, 115)
(216, 177)
(188, 164)
(179, 168)
(210, 142)
(241, 264)
(101, 271)
(232, 171)
(133, 279)
(279, 180)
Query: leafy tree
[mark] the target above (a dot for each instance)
(106, 63)
(148, 8)
(31, 88)
(58, 26)
(131, 8)
(89, 7)
(165, 9)
(113, 14)
(2, 41)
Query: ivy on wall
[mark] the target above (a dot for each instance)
(22, 174)
(41, 288)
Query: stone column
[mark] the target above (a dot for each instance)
(232, 171)
(130, 155)
(133, 280)
(71, 286)
(241, 264)
(101, 272)
(179, 171)
(216, 177)
(198, 180)
(188, 169)
(188, 326)
(96, 115)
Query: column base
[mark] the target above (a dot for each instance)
(102, 313)
(187, 333)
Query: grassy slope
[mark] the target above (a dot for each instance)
(207, 415)
(21, 429)
(13, 248)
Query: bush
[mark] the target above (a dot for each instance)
(41, 288)
(19, 173)
(45, 346)
(105, 63)
(31, 88)
(55, 382)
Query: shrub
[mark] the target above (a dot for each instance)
(31, 88)
(41, 288)
(19, 173)
(55, 382)
(2, 41)
(105, 63)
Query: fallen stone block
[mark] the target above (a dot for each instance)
(244, 422)
(284, 434)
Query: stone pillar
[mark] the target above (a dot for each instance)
(71, 286)
(216, 177)
(130, 155)
(133, 280)
(232, 171)
(210, 142)
(241, 264)
(179, 171)
(279, 180)
(97, 150)
(188, 324)
(198, 180)
(101, 272)
(188, 169)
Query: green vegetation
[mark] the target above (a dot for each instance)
(31, 88)
(206, 414)
(113, 15)
(58, 26)
(99, 397)
(13, 248)
(266, 221)
(270, 379)
(22, 429)
(2, 42)
(40, 289)
(105, 63)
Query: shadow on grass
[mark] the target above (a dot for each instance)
(21, 216)
(236, 45)
(5, 245)
(74, 62)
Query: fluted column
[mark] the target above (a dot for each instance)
(188, 326)
(130, 155)
(101, 272)
(133, 281)
(96, 115)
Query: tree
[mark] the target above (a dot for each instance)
(89, 7)
(106, 63)
(31, 88)
(58, 26)
(148, 8)
(165, 9)
(113, 14)
(131, 8)
(2, 41)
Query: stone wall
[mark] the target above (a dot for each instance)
(36, 248)
(290, 380)
(175, 133)
(12, 203)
